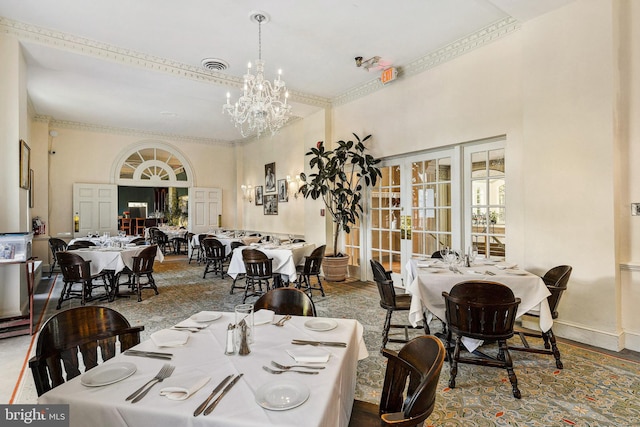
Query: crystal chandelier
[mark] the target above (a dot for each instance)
(263, 105)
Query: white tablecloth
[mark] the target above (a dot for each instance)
(329, 404)
(226, 241)
(285, 259)
(427, 284)
(114, 259)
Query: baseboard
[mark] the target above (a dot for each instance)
(632, 341)
(580, 333)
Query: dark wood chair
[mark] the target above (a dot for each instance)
(75, 246)
(298, 241)
(84, 243)
(556, 280)
(392, 302)
(241, 276)
(83, 329)
(196, 250)
(287, 301)
(139, 241)
(143, 267)
(481, 310)
(311, 268)
(180, 244)
(125, 225)
(410, 386)
(213, 256)
(436, 254)
(138, 225)
(159, 238)
(259, 272)
(77, 271)
(56, 245)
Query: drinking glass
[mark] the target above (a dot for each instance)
(444, 252)
(473, 253)
(244, 312)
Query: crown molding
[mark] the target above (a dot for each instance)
(450, 51)
(89, 127)
(130, 57)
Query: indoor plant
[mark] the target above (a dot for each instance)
(338, 177)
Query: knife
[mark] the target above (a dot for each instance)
(152, 356)
(204, 404)
(219, 398)
(147, 353)
(327, 343)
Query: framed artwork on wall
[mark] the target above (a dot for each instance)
(25, 164)
(283, 190)
(270, 178)
(271, 204)
(259, 200)
(31, 183)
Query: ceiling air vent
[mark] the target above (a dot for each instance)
(214, 64)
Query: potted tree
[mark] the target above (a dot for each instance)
(338, 177)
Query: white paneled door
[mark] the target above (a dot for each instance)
(97, 207)
(205, 208)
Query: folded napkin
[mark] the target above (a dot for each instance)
(481, 273)
(309, 354)
(183, 388)
(505, 265)
(169, 338)
(263, 316)
(188, 323)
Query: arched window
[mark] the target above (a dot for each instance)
(152, 164)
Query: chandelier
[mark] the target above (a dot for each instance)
(263, 105)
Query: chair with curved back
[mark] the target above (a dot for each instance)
(84, 243)
(180, 244)
(84, 329)
(287, 301)
(213, 256)
(481, 310)
(556, 280)
(159, 238)
(196, 250)
(75, 246)
(392, 302)
(143, 266)
(258, 272)
(77, 271)
(410, 386)
(139, 241)
(234, 245)
(56, 245)
(298, 241)
(311, 268)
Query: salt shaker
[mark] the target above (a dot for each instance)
(231, 347)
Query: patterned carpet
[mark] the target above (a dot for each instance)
(592, 390)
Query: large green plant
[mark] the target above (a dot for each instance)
(338, 177)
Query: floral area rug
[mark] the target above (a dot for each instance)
(593, 389)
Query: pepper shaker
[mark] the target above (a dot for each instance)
(243, 349)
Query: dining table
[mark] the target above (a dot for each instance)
(285, 258)
(258, 398)
(226, 240)
(428, 278)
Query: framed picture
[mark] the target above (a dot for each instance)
(31, 183)
(270, 178)
(283, 190)
(271, 204)
(259, 200)
(25, 164)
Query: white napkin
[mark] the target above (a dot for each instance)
(169, 338)
(176, 390)
(309, 354)
(505, 265)
(263, 316)
(188, 323)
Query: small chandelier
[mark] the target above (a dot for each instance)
(261, 106)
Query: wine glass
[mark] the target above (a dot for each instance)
(473, 253)
(444, 252)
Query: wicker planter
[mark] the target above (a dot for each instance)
(335, 268)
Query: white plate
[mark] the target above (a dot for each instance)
(169, 338)
(107, 373)
(321, 325)
(206, 316)
(516, 272)
(282, 395)
(432, 270)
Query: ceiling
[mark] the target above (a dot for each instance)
(136, 65)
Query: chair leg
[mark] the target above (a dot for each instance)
(152, 283)
(385, 329)
(504, 349)
(453, 361)
(554, 347)
(61, 299)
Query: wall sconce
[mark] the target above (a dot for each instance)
(246, 192)
(294, 185)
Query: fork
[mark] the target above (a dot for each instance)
(490, 273)
(274, 371)
(285, 367)
(165, 372)
(281, 321)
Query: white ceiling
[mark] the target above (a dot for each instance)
(136, 64)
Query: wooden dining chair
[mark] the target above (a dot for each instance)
(55, 245)
(78, 282)
(86, 331)
(196, 250)
(556, 280)
(143, 267)
(486, 311)
(258, 273)
(139, 241)
(287, 301)
(213, 256)
(311, 268)
(392, 302)
(125, 225)
(410, 386)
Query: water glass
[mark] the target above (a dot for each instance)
(244, 312)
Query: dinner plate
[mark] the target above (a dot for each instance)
(320, 324)
(516, 272)
(282, 395)
(107, 373)
(206, 316)
(169, 338)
